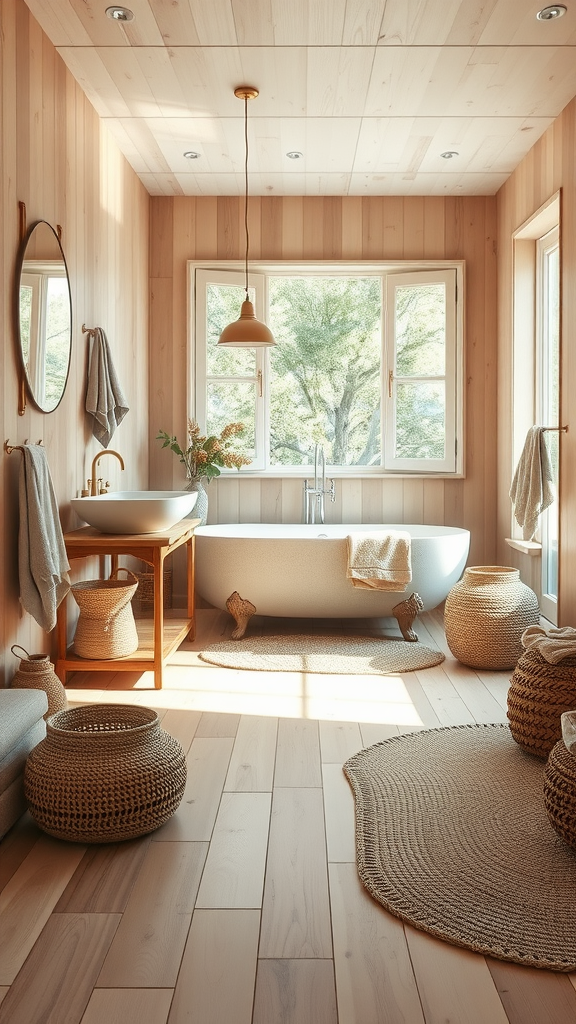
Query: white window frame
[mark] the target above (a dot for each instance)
(202, 272)
(544, 245)
(448, 464)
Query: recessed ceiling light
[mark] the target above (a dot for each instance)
(191, 154)
(294, 154)
(119, 14)
(449, 154)
(549, 13)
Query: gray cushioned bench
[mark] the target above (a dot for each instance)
(22, 726)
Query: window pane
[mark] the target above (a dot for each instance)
(233, 403)
(223, 304)
(420, 330)
(57, 339)
(420, 420)
(550, 368)
(25, 320)
(325, 370)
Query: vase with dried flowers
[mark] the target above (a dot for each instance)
(204, 457)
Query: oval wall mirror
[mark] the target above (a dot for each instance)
(44, 316)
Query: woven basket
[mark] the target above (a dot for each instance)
(539, 694)
(560, 792)
(106, 627)
(104, 773)
(36, 672)
(485, 615)
(144, 597)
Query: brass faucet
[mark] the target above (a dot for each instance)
(95, 461)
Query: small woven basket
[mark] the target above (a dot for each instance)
(560, 792)
(104, 773)
(106, 627)
(539, 694)
(144, 596)
(36, 672)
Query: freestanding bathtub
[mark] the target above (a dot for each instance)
(298, 570)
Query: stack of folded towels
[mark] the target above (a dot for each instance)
(379, 560)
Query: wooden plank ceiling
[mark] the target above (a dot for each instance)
(370, 92)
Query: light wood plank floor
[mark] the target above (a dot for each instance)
(246, 906)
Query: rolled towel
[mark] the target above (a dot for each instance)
(553, 644)
(379, 560)
(105, 400)
(42, 560)
(531, 491)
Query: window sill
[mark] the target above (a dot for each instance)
(527, 547)
(305, 473)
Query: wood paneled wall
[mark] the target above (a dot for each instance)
(549, 166)
(57, 157)
(334, 228)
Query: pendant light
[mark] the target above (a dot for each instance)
(247, 332)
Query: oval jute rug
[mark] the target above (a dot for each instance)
(452, 836)
(336, 655)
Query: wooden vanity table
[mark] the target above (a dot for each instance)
(158, 637)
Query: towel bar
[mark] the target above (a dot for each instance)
(563, 430)
(9, 448)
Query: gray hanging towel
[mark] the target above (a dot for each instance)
(42, 560)
(105, 400)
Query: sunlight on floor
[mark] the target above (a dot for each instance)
(195, 685)
(382, 699)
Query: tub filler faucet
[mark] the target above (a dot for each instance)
(314, 496)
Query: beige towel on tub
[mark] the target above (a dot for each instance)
(379, 560)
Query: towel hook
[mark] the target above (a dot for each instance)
(88, 330)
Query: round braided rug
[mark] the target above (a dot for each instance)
(452, 836)
(336, 655)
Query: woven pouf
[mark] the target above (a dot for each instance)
(560, 792)
(105, 772)
(539, 694)
(485, 615)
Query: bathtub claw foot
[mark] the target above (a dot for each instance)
(405, 612)
(241, 611)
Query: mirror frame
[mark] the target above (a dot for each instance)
(25, 379)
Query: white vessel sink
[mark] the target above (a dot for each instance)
(135, 511)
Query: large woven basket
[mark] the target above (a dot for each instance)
(104, 773)
(560, 792)
(539, 694)
(106, 627)
(485, 615)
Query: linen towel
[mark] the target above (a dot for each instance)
(379, 560)
(105, 400)
(42, 560)
(553, 644)
(531, 491)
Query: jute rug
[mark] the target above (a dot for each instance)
(452, 836)
(322, 654)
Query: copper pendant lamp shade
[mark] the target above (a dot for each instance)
(247, 331)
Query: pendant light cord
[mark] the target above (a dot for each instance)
(246, 190)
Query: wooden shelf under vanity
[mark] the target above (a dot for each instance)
(158, 636)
